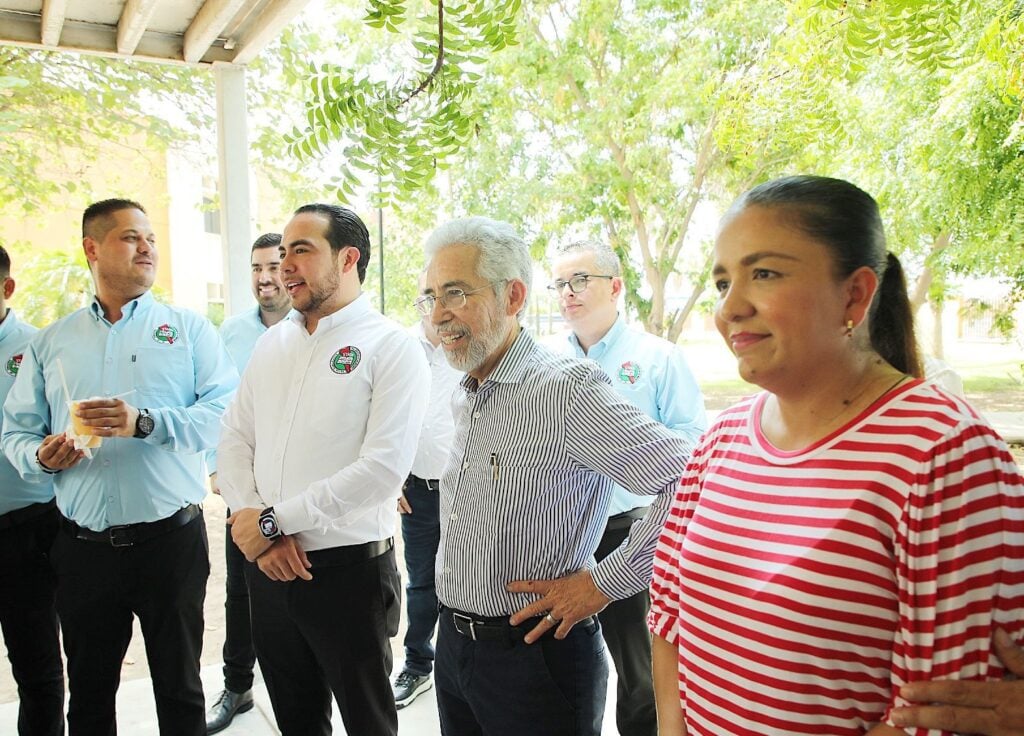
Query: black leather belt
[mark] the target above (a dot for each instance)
(497, 628)
(626, 518)
(432, 484)
(127, 535)
(349, 554)
(19, 516)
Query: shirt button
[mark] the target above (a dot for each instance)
(454, 517)
(476, 415)
(109, 361)
(106, 463)
(465, 465)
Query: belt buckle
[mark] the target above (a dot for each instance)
(120, 536)
(456, 617)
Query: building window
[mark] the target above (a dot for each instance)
(211, 217)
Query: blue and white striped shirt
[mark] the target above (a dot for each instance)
(525, 494)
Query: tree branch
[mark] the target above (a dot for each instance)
(438, 63)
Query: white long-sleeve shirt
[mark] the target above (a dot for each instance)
(435, 443)
(324, 426)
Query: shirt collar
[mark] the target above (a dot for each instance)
(353, 310)
(603, 345)
(139, 304)
(8, 324)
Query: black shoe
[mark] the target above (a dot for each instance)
(407, 687)
(228, 705)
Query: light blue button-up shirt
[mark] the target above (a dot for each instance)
(176, 366)
(239, 333)
(15, 492)
(652, 374)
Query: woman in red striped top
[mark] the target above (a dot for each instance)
(851, 528)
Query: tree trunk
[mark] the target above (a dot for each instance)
(919, 294)
(938, 349)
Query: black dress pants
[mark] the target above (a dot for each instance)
(29, 622)
(99, 589)
(239, 654)
(329, 635)
(624, 624)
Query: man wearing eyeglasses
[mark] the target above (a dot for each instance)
(539, 440)
(652, 374)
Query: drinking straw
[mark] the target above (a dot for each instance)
(64, 381)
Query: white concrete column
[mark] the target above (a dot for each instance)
(233, 186)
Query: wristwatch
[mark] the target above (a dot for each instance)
(268, 524)
(144, 425)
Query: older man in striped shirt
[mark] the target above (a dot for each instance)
(539, 441)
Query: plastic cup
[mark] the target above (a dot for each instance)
(83, 430)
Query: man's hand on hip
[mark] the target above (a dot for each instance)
(285, 560)
(245, 531)
(564, 603)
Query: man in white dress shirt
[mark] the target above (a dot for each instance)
(313, 452)
(421, 524)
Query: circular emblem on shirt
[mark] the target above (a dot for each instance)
(165, 334)
(13, 364)
(629, 372)
(346, 359)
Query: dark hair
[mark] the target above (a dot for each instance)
(96, 217)
(267, 240)
(846, 220)
(344, 230)
(5, 263)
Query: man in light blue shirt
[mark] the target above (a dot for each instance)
(28, 524)
(132, 538)
(240, 333)
(652, 374)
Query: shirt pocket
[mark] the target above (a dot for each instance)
(163, 376)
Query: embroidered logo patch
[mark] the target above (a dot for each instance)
(346, 359)
(165, 334)
(629, 372)
(14, 364)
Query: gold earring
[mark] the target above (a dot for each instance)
(849, 328)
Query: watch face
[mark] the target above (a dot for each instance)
(146, 423)
(268, 526)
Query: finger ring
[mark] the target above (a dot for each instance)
(550, 619)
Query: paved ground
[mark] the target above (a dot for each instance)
(136, 715)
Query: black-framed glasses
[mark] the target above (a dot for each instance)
(576, 284)
(451, 299)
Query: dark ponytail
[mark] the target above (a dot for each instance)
(892, 321)
(845, 219)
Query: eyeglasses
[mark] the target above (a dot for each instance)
(577, 284)
(451, 299)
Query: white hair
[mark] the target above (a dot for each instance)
(503, 254)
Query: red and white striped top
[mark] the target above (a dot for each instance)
(804, 588)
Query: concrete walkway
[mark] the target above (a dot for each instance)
(136, 714)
